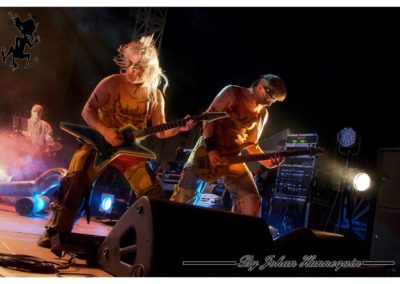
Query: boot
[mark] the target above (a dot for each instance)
(45, 239)
(61, 219)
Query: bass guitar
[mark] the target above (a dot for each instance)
(106, 153)
(204, 171)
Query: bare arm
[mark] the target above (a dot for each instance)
(220, 103)
(99, 97)
(158, 117)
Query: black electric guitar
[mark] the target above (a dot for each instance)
(106, 153)
(204, 171)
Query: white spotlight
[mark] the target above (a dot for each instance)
(3, 175)
(361, 181)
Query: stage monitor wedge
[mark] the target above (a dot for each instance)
(161, 238)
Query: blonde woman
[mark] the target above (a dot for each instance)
(130, 97)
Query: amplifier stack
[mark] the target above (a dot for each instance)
(295, 174)
(292, 204)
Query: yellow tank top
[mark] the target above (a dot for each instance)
(125, 110)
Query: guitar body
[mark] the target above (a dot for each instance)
(105, 153)
(232, 163)
(204, 171)
(134, 150)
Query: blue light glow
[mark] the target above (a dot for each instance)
(3, 175)
(106, 203)
(26, 206)
(39, 204)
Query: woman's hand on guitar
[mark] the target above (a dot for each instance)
(214, 158)
(189, 124)
(113, 136)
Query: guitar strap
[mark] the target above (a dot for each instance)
(147, 114)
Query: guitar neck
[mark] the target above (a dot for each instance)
(165, 126)
(265, 156)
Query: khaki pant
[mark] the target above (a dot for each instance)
(243, 190)
(140, 179)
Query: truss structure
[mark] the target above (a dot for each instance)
(150, 21)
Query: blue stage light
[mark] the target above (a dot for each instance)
(40, 203)
(31, 205)
(106, 203)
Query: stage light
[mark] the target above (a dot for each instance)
(3, 175)
(48, 181)
(40, 203)
(106, 202)
(361, 181)
(31, 205)
(347, 137)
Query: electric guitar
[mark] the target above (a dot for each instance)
(106, 153)
(204, 171)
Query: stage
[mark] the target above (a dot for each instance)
(18, 235)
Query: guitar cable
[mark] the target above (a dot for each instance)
(28, 263)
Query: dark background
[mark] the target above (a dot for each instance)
(340, 66)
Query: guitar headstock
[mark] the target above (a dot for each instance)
(212, 116)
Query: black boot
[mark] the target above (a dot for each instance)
(45, 238)
(61, 219)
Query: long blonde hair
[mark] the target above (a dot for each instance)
(152, 74)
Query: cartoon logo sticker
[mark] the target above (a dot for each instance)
(27, 29)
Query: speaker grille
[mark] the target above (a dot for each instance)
(128, 246)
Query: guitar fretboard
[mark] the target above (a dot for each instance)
(266, 156)
(162, 127)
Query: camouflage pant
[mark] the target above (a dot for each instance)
(243, 190)
(78, 182)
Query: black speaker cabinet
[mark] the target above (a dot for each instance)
(288, 213)
(325, 245)
(388, 165)
(160, 238)
(385, 237)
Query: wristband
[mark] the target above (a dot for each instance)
(210, 143)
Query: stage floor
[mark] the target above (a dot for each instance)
(18, 235)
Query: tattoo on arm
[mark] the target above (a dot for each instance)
(93, 102)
